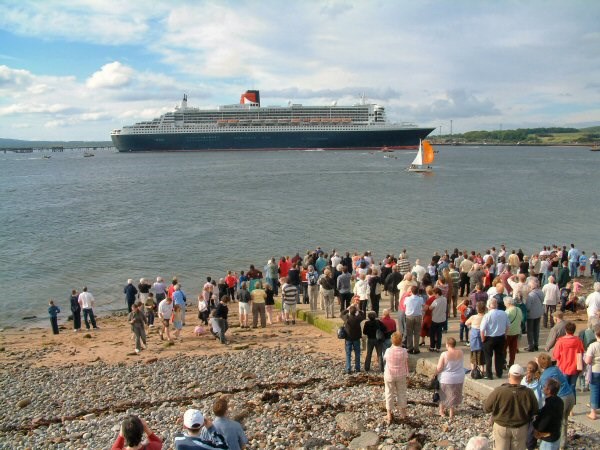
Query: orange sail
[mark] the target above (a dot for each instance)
(427, 153)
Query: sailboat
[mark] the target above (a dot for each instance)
(424, 158)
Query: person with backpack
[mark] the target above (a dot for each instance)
(312, 277)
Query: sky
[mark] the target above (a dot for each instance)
(76, 69)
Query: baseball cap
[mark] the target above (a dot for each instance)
(193, 419)
(516, 370)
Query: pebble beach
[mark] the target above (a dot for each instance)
(286, 386)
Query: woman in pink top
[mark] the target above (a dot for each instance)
(394, 377)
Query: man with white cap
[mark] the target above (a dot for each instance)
(512, 406)
(200, 433)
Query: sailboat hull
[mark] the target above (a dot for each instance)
(419, 169)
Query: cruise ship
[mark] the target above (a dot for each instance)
(250, 126)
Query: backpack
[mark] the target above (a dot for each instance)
(341, 333)
(470, 311)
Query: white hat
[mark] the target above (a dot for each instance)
(193, 419)
(516, 370)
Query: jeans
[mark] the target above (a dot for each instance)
(572, 379)
(54, 324)
(353, 346)
(89, 313)
(595, 390)
(150, 316)
(550, 445)
(533, 333)
(435, 335)
(76, 318)
(573, 269)
(511, 345)
(378, 345)
(464, 331)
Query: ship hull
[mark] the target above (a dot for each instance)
(273, 140)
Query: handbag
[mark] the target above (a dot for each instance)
(476, 373)
(341, 333)
(436, 397)
(434, 383)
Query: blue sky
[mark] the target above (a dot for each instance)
(77, 69)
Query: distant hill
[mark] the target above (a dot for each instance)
(536, 136)
(18, 143)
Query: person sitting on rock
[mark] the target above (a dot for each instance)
(200, 433)
(131, 433)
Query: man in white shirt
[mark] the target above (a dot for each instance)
(418, 270)
(165, 312)
(593, 301)
(362, 290)
(414, 316)
(551, 298)
(86, 301)
(335, 260)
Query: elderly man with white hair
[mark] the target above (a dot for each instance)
(418, 270)
(551, 298)
(535, 309)
(592, 302)
(493, 329)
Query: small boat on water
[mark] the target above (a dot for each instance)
(425, 157)
(595, 148)
(46, 156)
(87, 154)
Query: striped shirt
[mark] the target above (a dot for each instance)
(289, 293)
(396, 363)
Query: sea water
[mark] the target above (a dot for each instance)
(70, 221)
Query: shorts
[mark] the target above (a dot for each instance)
(244, 308)
(166, 322)
(289, 308)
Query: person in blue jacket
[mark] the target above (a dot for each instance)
(53, 310)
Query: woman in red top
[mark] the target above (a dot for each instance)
(567, 351)
(426, 324)
(130, 436)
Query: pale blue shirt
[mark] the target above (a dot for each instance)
(494, 323)
(232, 431)
(413, 305)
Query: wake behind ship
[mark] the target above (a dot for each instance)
(249, 126)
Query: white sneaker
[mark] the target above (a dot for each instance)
(137, 350)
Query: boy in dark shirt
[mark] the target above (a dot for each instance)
(547, 424)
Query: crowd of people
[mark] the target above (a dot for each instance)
(497, 296)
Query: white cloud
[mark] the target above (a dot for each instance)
(14, 78)
(105, 21)
(34, 108)
(112, 75)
